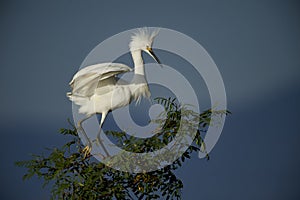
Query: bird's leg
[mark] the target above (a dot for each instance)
(99, 131)
(100, 142)
(87, 149)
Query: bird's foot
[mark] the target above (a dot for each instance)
(98, 141)
(102, 157)
(87, 150)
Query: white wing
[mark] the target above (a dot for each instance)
(89, 78)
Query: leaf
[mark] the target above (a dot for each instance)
(73, 176)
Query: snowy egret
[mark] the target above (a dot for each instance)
(97, 90)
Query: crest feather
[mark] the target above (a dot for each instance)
(141, 38)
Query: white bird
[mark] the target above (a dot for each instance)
(96, 88)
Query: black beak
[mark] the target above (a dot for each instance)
(154, 56)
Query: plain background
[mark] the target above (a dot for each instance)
(254, 43)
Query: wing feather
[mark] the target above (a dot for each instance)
(86, 80)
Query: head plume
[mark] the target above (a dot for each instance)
(142, 39)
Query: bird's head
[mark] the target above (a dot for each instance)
(142, 40)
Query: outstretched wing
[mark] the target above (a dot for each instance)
(86, 80)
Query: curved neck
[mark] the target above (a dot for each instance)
(138, 62)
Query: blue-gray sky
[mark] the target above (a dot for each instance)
(254, 43)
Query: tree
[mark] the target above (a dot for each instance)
(76, 176)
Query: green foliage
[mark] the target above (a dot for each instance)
(75, 176)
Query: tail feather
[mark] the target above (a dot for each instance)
(86, 107)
